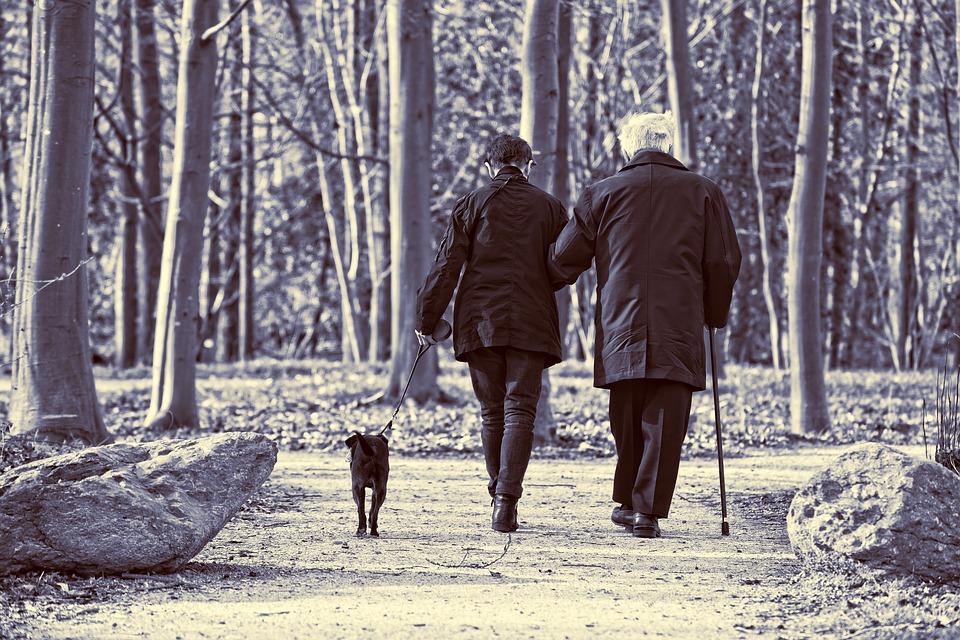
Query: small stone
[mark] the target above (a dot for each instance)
(883, 510)
(121, 508)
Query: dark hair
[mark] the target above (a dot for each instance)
(507, 149)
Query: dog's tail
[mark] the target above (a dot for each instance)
(364, 445)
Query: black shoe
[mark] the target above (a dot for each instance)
(645, 526)
(622, 516)
(504, 513)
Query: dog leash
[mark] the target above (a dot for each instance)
(440, 333)
(420, 351)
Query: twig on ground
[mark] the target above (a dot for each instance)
(462, 564)
(174, 579)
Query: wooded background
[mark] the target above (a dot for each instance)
(275, 188)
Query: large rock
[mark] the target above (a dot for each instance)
(891, 513)
(127, 507)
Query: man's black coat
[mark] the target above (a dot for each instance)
(502, 233)
(667, 259)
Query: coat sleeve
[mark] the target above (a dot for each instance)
(434, 296)
(721, 261)
(573, 251)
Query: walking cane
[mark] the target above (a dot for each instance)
(724, 525)
(440, 333)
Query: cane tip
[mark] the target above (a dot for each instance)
(725, 528)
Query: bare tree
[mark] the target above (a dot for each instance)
(907, 326)
(410, 44)
(125, 284)
(247, 328)
(228, 322)
(53, 389)
(378, 220)
(150, 227)
(808, 396)
(770, 284)
(539, 117)
(173, 400)
(679, 79)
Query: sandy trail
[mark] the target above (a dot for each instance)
(290, 567)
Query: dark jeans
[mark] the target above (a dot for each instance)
(649, 422)
(507, 384)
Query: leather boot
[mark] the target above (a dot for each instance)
(514, 457)
(492, 440)
(504, 513)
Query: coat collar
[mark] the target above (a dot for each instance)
(509, 172)
(649, 156)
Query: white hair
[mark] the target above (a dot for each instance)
(647, 131)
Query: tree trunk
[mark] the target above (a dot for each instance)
(907, 308)
(539, 118)
(410, 43)
(150, 229)
(808, 397)
(539, 109)
(770, 292)
(173, 400)
(7, 221)
(246, 330)
(211, 281)
(53, 392)
(679, 79)
(229, 321)
(125, 282)
(379, 217)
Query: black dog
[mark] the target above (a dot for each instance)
(369, 467)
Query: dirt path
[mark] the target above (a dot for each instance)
(290, 567)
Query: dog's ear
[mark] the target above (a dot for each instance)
(351, 442)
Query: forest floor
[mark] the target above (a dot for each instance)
(289, 566)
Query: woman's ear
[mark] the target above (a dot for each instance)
(489, 169)
(528, 169)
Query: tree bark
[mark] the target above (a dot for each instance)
(808, 397)
(150, 227)
(379, 217)
(539, 119)
(8, 259)
(125, 282)
(907, 307)
(679, 79)
(211, 280)
(410, 44)
(53, 394)
(246, 330)
(229, 321)
(173, 400)
(770, 293)
(539, 107)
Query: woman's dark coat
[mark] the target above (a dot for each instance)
(501, 233)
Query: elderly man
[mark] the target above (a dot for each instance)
(667, 258)
(505, 317)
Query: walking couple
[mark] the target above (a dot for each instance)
(666, 257)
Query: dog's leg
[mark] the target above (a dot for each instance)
(379, 495)
(360, 497)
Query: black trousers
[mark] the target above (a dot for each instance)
(649, 422)
(507, 384)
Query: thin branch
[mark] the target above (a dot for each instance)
(220, 26)
(305, 137)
